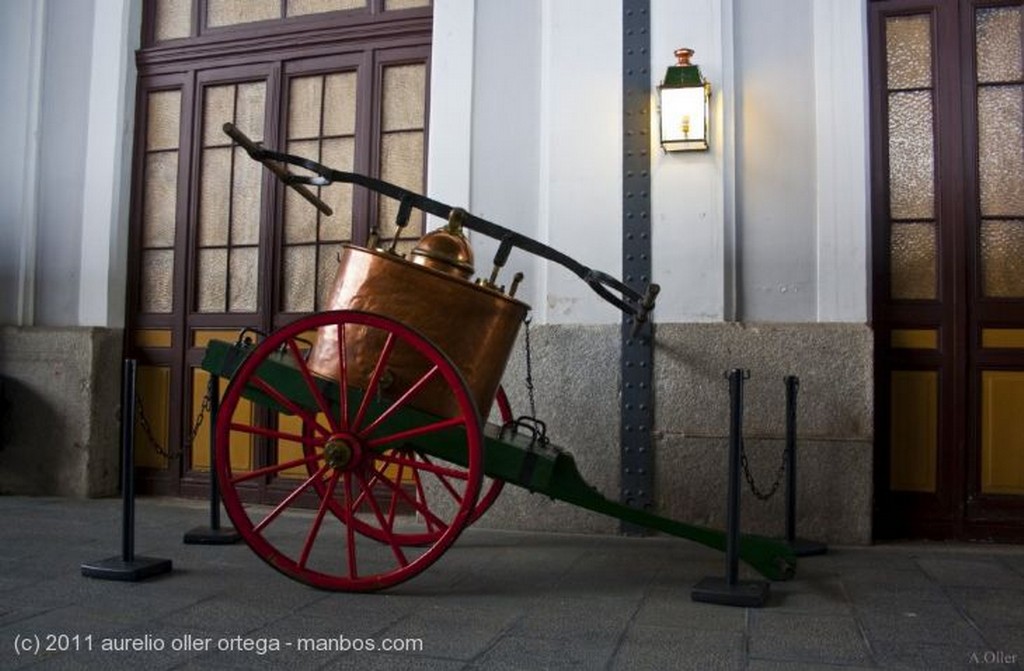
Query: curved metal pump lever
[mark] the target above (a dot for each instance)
(628, 300)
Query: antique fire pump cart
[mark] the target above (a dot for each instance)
(376, 410)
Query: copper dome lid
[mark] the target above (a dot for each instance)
(446, 249)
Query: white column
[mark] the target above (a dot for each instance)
(22, 32)
(841, 95)
(105, 198)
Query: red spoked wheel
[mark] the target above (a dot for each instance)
(359, 457)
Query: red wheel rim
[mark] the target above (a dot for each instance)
(492, 487)
(355, 445)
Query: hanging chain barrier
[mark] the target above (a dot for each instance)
(204, 409)
(151, 438)
(762, 495)
(749, 477)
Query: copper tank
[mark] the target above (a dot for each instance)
(473, 324)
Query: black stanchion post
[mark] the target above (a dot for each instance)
(731, 591)
(127, 566)
(800, 547)
(213, 534)
(732, 509)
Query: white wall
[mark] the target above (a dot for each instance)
(841, 130)
(775, 165)
(68, 77)
(21, 37)
(545, 155)
(106, 195)
(770, 224)
(692, 191)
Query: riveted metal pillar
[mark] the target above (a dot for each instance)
(637, 398)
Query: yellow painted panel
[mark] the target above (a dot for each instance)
(914, 430)
(915, 338)
(203, 338)
(241, 445)
(288, 449)
(1005, 338)
(153, 386)
(1002, 432)
(153, 338)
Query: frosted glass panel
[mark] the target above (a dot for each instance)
(299, 219)
(212, 280)
(160, 205)
(214, 197)
(908, 51)
(404, 95)
(245, 200)
(1001, 151)
(304, 107)
(327, 268)
(998, 40)
(390, 5)
(244, 279)
(338, 154)
(912, 258)
(231, 12)
(303, 7)
(1002, 258)
(173, 19)
(163, 118)
(911, 155)
(299, 285)
(158, 273)
(307, 149)
(218, 108)
(401, 158)
(340, 104)
(249, 113)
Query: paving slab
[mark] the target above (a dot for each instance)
(496, 600)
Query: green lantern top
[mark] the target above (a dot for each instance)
(683, 73)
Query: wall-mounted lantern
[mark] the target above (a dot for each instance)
(684, 98)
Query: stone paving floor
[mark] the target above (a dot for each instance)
(496, 600)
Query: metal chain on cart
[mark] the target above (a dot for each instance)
(529, 369)
(759, 493)
(151, 438)
(530, 423)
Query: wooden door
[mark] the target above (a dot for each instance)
(948, 281)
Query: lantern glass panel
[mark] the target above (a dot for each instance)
(683, 117)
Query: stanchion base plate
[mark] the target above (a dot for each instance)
(745, 593)
(806, 548)
(211, 536)
(116, 568)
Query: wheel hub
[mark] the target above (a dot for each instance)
(342, 452)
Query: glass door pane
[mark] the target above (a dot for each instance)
(228, 229)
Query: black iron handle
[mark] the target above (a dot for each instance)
(637, 304)
(256, 152)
